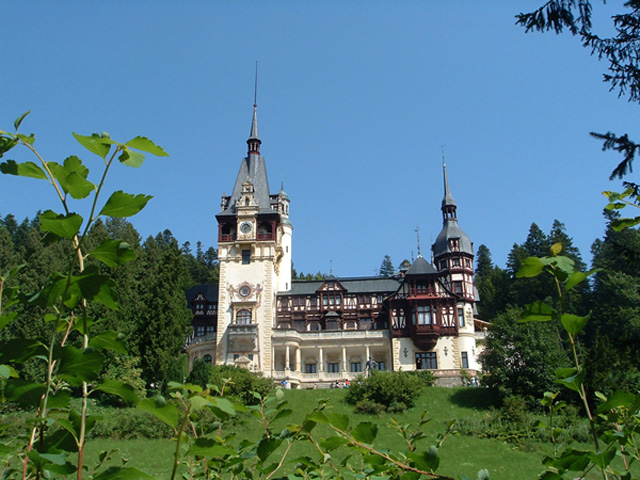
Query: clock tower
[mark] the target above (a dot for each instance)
(254, 250)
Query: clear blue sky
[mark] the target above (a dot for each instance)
(355, 100)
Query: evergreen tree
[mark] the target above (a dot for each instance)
(386, 268)
(165, 321)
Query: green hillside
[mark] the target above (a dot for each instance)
(461, 454)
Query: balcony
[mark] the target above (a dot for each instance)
(242, 330)
(227, 237)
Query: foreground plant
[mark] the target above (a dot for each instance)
(72, 357)
(615, 423)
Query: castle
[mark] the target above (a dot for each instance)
(314, 333)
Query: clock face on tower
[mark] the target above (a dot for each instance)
(246, 227)
(245, 291)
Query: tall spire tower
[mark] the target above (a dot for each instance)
(254, 250)
(254, 141)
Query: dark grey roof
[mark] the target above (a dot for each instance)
(254, 125)
(451, 230)
(254, 170)
(448, 198)
(421, 267)
(209, 290)
(352, 285)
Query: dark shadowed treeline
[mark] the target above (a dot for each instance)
(152, 315)
(521, 358)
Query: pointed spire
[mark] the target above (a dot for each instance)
(448, 203)
(448, 198)
(254, 141)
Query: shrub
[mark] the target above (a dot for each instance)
(240, 382)
(426, 376)
(369, 407)
(386, 388)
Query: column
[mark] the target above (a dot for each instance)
(344, 359)
(287, 361)
(297, 359)
(320, 360)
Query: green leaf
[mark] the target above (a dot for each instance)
(571, 378)
(365, 432)
(208, 447)
(66, 226)
(603, 459)
(317, 417)
(331, 443)
(223, 404)
(6, 144)
(339, 421)
(168, 413)
(619, 399)
(7, 318)
(6, 371)
(146, 145)
(19, 350)
(575, 279)
(95, 144)
(113, 252)
(122, 473)
(131, 158)
(266, 447)
(531, 267)
(24, 392)
(118, 388)
(122, 204)
(96, 288)
(556, 248)
(622, 223)
(59, 401)
(77, 366)
(537, 312)
(26, 169)
(573, 323)
(109, 340)
(30, 139)
(19, 120)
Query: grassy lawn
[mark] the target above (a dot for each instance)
(460, 454)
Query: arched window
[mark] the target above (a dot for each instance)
(207, 359)
(243, 317)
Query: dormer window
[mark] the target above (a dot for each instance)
(454, 244)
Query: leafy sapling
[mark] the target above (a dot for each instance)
(65, 297)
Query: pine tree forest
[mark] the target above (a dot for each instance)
(152, 316)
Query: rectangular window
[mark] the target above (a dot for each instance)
(338, 299)
(457, 287)
(332, 300)
(325, 300)
(455, 262)
(199, 330)
(246, 257)
(461, 317)
(313, 301)
(426, 361)
(356, 366)
(310, 368)
(465, 360)
(380, 366)
(424, 315)
(333, 368)
(211, 328)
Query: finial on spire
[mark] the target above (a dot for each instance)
(417, 230)
(331, 267)
(255, 93)
(254, 141)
